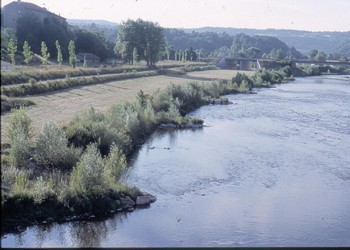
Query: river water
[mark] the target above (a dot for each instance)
(272, 169)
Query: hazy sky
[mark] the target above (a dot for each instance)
(314, 15)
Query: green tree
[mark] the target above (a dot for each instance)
(11, 50)
(276, 54)
(34, 30)
(72, 56)
(135, 56)
(45, 55)
(146, 37)
(313, 54)
(92, 42)
(27, 53)
(6, 35)
(321, 56)
(59, 53)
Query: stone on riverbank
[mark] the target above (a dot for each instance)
(174, 126)
(145, 199)
(127, 202)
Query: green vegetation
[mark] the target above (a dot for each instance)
(33, 87)
(316, 70)
(53, 85)
(141, 38)
(59, 53)
(8, 103)
(27, 53)
(76, 170)
(72, 56)
(11, 50)
(44, 54)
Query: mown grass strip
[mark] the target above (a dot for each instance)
(39, 88)
(10, 103)
(10, 78)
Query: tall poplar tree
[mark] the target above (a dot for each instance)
(59, 53)
(11, 50)
(27, 53)
(72, 56)
(45, 55)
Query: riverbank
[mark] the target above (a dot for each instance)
(126, 126)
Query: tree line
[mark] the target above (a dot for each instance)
(28, 54)
(138, 40)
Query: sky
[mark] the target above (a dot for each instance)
(312, 15)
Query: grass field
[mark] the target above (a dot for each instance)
(61, 106)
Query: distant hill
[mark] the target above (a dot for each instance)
(110, 29)
(87, 22)
(344, 49)
(258, 46)
(303, 41)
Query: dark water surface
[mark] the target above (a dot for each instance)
(273, 169)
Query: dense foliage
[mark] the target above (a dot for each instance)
(31, 29)
(93, 42)
(141, 38)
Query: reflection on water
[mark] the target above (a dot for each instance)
(273, 169)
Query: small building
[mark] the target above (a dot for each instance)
(12, 11)
(90, 58)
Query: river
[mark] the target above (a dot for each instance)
(271, 169)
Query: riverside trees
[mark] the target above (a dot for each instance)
(141, 38)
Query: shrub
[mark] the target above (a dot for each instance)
(32, 81)
(20, 148)
(241, 77)
(52, 149)
(41, 189)
(87, 176)
(147, 117)
(19, 120)
(19, 134)
(161, 100)
(189, 96)
(21, 182)
(114, 165)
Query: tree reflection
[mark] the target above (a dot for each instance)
(41, 234)
(19, 239)
(92, 233)
(88, 234)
